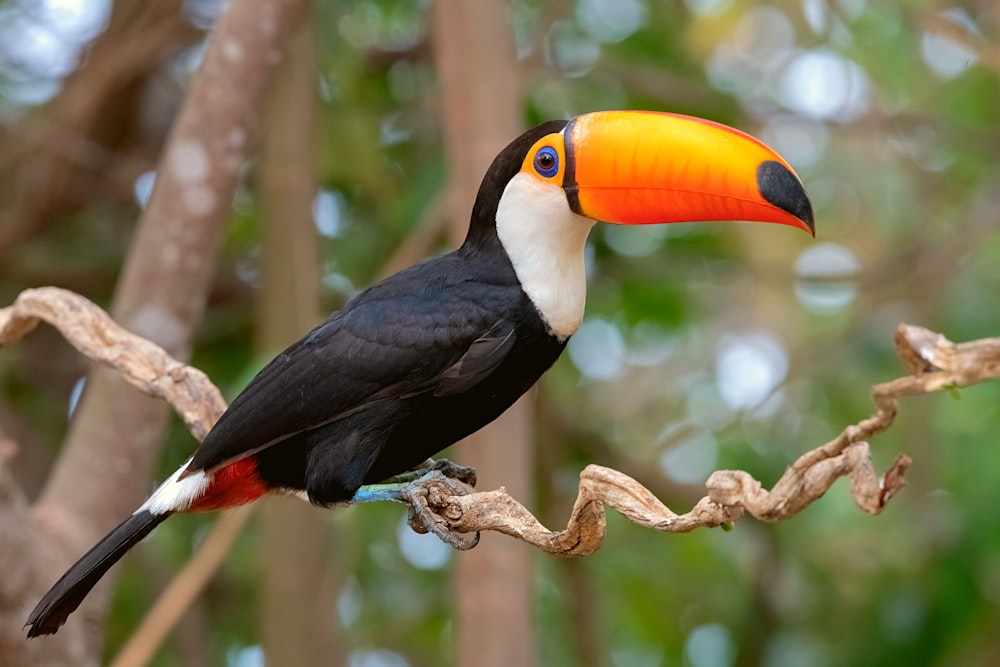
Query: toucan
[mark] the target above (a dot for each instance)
(437, 351)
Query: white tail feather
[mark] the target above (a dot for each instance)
(175, 494)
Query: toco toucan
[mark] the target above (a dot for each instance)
(437, 351)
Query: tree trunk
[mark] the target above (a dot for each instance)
(107, 461)
(481, 112)
(298, 589)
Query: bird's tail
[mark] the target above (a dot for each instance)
(67, 593)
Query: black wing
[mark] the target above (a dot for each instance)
(411, 334)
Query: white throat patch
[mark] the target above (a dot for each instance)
(545, 241)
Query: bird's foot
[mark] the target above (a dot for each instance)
(426, 496)
(449, 469)
(423, 495)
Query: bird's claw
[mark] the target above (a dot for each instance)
(429, 495)
(464, 474)
(452, 470)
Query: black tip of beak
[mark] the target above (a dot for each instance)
(780, 187)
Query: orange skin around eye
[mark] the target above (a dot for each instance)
(555, 142)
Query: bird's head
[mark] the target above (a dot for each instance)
(545, 191)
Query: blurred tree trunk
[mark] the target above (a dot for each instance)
(85, 147)
(297, 620)
(580, 602)
(481, 113)
(105, 466)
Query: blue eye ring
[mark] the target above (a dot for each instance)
(547, 161)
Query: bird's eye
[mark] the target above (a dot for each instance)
(547, 161)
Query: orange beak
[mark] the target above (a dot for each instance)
(643, 167)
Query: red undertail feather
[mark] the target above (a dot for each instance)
(236, 484)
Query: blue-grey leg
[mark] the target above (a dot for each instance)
(423, 517)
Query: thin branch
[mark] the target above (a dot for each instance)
(143, 364)
(61, 156)
(182, 590)
(421, 240)
(939, 24)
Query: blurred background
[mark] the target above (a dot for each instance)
(705, 346)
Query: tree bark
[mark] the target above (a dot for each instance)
(107, 460)
(481, 113)
(297, 620)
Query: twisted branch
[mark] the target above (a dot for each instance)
(444, 505)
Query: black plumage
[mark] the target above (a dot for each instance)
(408, 367)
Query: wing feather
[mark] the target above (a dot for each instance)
(386, 345)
